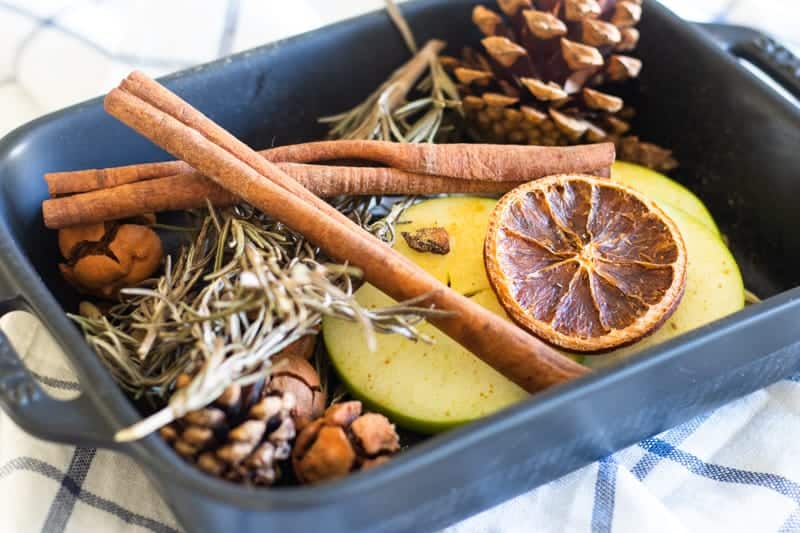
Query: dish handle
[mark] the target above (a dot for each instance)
(22, 398)
(774, 59)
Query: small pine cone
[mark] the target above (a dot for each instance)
(247, 431)
(342, 441)
(235, 439)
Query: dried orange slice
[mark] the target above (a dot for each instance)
(584, 263)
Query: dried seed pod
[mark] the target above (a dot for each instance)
(103, 258)
(302, 347)
(248, 430)
(433, 240)
(295, 375)
(341, 442)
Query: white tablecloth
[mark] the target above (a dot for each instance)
(735, 469)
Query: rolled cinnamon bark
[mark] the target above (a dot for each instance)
(484, 162)
(192, 190)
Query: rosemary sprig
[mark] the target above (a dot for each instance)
(386, 114)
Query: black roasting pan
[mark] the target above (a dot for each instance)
(738, 141)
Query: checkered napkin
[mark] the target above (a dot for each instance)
(734, 469)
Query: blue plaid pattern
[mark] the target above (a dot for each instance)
(667, 447)
(58, 489)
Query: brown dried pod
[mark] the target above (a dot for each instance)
(103, 258)
(343, 441)
(433, 240)
(295, 375)
(302, 347)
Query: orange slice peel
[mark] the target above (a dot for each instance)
(584, 263)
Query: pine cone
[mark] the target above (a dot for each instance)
(247, 431)
(342, 441)
(630, 148)
(538, 80)
(241, 437)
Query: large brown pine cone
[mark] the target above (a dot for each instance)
(546, 68)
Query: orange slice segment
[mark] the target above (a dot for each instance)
(584, 263)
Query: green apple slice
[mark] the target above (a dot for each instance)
(428, 387)
(714, 288)
(662, 190)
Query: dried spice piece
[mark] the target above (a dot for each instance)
(296, 376)
(105, 257)
(242, 437)
(432, 240)
(585, 263)
(343, 441)
(302, 347)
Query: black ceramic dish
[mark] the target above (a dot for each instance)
(737, 141)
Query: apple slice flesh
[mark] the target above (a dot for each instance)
(663, 190)
(434, 387)
(428, 387)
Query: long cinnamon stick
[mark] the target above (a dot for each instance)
(181, 130)
(465, 161)
(192, 190)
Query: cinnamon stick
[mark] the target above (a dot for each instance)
(174, 125)
(490, 162)
(192, 190)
